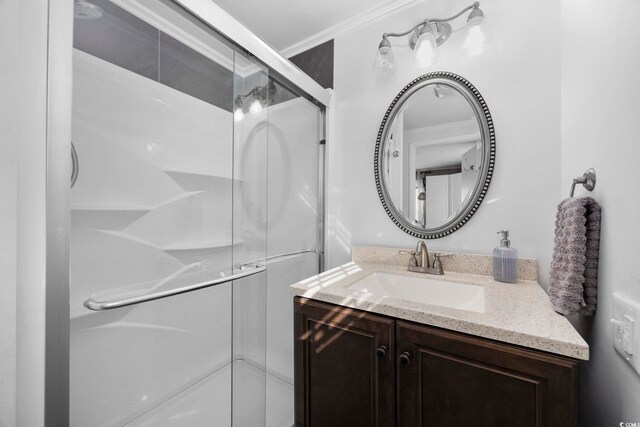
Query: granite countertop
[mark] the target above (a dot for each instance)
(518, 313)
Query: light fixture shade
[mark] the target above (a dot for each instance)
(426, 49)
(256, 106)
(477, 36)
(238, 114)
(384, 64)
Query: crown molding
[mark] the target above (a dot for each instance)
(448, 133)
(368, 17)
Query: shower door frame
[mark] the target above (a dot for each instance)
(44, 170)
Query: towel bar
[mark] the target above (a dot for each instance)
(588, 181)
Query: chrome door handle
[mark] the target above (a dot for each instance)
(94, 305)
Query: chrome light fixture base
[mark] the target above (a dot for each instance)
(441, 32)
(475, 13)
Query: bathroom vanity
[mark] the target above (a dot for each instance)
(371, 351)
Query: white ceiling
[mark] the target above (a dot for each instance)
(285, 24)
(424, 109)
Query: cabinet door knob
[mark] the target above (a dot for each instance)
(405, 358)
(381, 351)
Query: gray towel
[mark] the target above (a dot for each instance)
(574, 267)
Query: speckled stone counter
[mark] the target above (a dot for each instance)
(518, 313)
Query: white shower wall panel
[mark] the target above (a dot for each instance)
(111, 174)
(151, 210)
(172, 192)
(249, 226)
(291, 224)
(155, 181)
(193, 220)
(276, 156)
(293, 176)
(175, 144)
(293, 220)
(127, 361)
(205, 402)
(160, 123)
(103, 261)
(250, 191)
(248, 316)
(280, 337)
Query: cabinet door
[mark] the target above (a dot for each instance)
(452, 379)
(344, 367)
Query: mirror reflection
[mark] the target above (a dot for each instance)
(432, 156)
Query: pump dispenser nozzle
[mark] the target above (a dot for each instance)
(505, 238)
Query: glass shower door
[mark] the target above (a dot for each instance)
(293, 236)
(251, 98)
(155, 209)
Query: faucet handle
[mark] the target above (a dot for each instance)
(437, 264)
(441, 255)
(413, 262)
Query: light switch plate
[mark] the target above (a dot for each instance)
(626, 329)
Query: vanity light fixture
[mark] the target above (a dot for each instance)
(431, 33)
(256, 106)
(384, 64)
(238, 113)
(477, 35)
(257, 98)
(425, 47)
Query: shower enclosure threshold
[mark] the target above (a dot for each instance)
(206, 398)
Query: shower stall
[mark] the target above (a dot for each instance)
(196, 198)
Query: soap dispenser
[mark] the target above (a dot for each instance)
(505, 260)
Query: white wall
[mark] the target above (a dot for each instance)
(518, 78)
(8, 186)
(600, 110)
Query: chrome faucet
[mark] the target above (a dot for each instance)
(421, 249)
(420, 263)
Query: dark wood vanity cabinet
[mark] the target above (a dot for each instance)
(446, 378)
(425, 376)
(344, 366)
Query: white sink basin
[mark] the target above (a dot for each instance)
(427, 290)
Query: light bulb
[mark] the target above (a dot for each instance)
(384, 64)
(256, 106)
(238, 115)
(477, 36)
(425, 49)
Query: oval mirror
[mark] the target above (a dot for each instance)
(434, 155)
